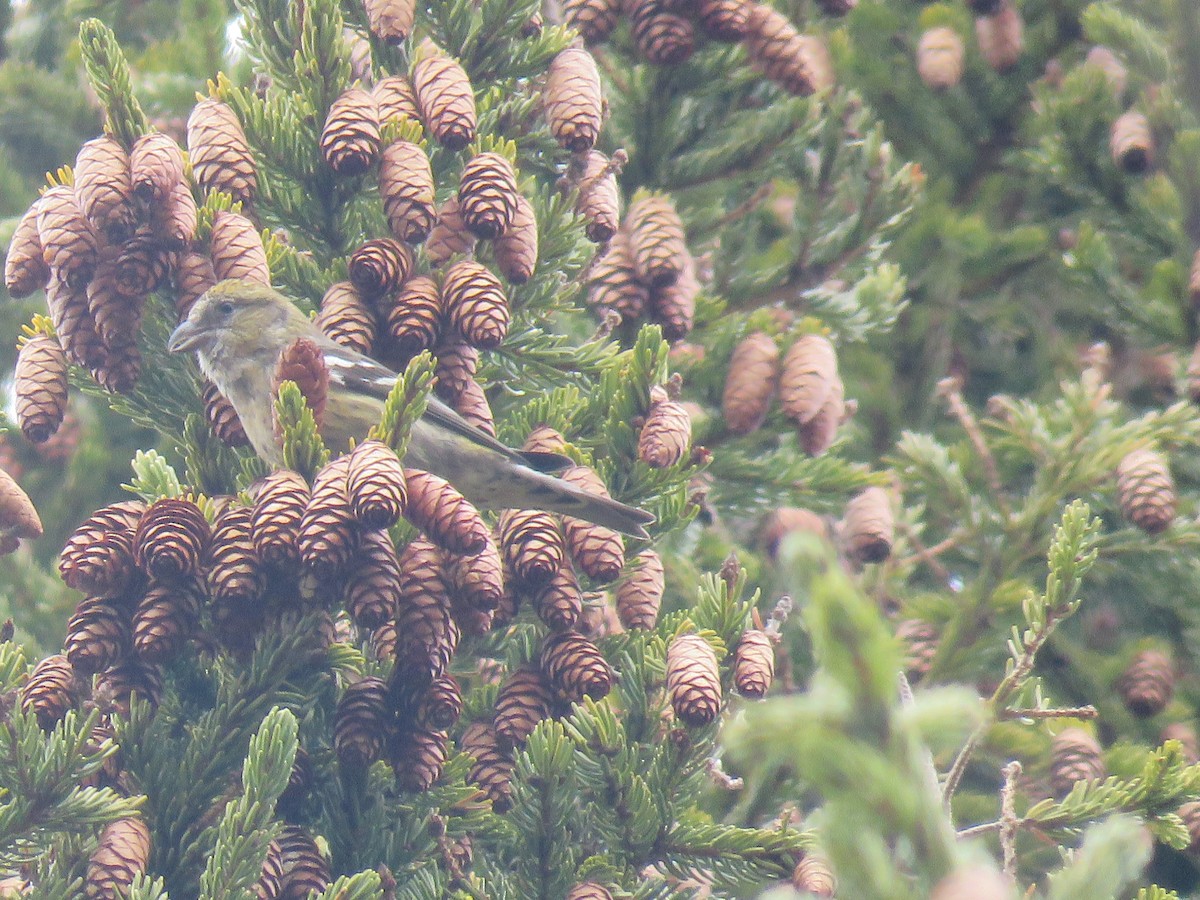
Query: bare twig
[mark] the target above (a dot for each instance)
(979, 830)
(928, 555)
(1063, 712)
(1008, 819)
(744, 208)
(950, 389)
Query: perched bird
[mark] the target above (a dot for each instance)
(238, 331)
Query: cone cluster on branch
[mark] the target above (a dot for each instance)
(811, 392)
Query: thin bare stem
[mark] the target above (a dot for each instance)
(950, 389)
(1061, 712)
(928, 555)
(1008, 819)
(979, 830)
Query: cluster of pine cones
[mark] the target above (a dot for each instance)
(999, 32)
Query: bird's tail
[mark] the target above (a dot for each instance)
(530, 489)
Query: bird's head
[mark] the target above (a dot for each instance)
(236, 315)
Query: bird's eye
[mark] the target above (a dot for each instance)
(225, 309)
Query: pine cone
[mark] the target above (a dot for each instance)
(1131, 143)
(1147, 684)
(222, 418)
(445, 99)
(754, 664)
(360, 722)
(235, 573)
(662, 37)
(457, 363)
(559, 602)
(445, 515)
(724, 20)
(299, 785)
(640, 593)
(376, 485)
(328, 534)
(693, 682)
(656, 239)
(50, 691)
(589, 890)
(237, 249)
(809, 373)
(593, 19)
(493, 767)
(598, 551)
(174, 219)
(171, 540)
(121, 855)
(143, 264)
(391, 20)
(117, 317)
(394, 99)
(74, 325)
(532, 543)
(350, 138)
(116, 686)
(940, 55)
(1001, 37)
(156, 166)
(98, 556)
(303, 363)
(818, 434)
(69, 242)
(920, 641)
(666, 436)
(346, 318)
(1146, 491)
(414, 316)
(472, 404)
(572, 100)
(544, 439)
(406, 186)
(278, 510)
(487, 195)
(524, 700)
(373, 585)
(104, 187)
(517, 249)
(269, 884)
(450, 236)
(477, 580)
(614, 282)
(40, 386)
(165, 619)
(25, 269)
(18, 517)
(97, 636)
(798, 63)
(475, 304)
(441, 704)
(867, 526)
(380, 266)
(1074, 757)
(575, 666)
(813, 874)
(674, 306)
(426, 635)
(304, 867)
(599, 201)
(751, 382)
(418, 757)
(219, 152)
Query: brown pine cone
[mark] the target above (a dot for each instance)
(406, 186)
(472, 404)
(40, 386)
(487, 195)
(572, 100)
(305, 869)
(446, 516)
(544, 439)
(156, 166)
(920, 642)
(614, 282)
(640, 593)
(798, 63)
(394, 99)
(532, 543)
(1146, 490)
(693, 682)
(121, 855)
(656, 239)
(724, 20)
(376, 485)
(360, 722)
(391, 20)
(74, 325)
(575, 666)
(51, 691)
(666, 436)
(222, 418)
(589, 890)
(818, 434)
(457, 363)
(445, 99)
(69, 242)
(303, 363)
(517, 249)
(674, 306)
(599, 200)
(117, 317)
(18, 517)
(440, 705)
(750, 383)
(165, 619)
(475, 304)
(1131, 142)
(559, 602)
(380, 266)
(104, 187)
(143, 264)
(269, 884)
(346, 318)
(350, 138)
(414, 316)
(237, 249)
(593, 19)
(598, 551)
(25, 269)
(493, 767)
(1074, 757)
(867, 527)
(449, 236)
(477, 580)
(278, 510)
(524, 700)
(940, 56)
(116, 686)
(174, 219)
(1001, 37)
(426, 635)
(373, 586)
(219, 151)
(299, 784)
(417, 757)
(1147, 684)
(98, 556)
(171, 540)
(97, 636)
(808, 378)
(814, 875)
(663, 37)
(754, 663)
(328, 533)
(236, 578)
